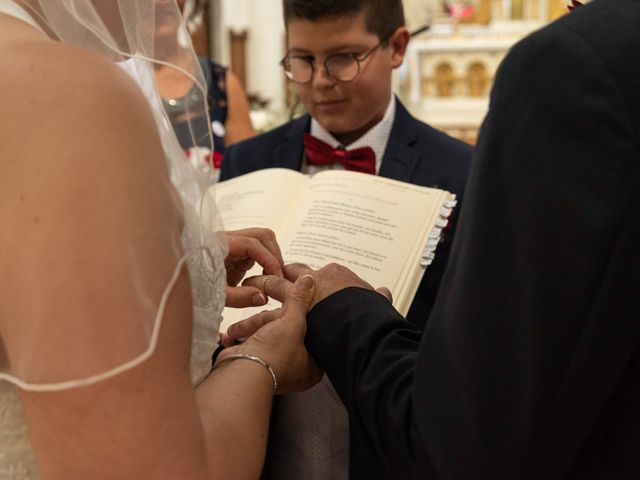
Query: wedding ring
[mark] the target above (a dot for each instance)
(264, 284)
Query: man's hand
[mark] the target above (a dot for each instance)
(328, 280)
(246, 247)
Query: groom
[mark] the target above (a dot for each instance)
(340, 59)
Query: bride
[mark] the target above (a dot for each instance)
(111, 287)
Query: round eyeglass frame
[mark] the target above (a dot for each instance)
(312, 63)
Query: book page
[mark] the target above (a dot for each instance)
(375, 226)
(264, 198)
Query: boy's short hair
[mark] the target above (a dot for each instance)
(383, 16)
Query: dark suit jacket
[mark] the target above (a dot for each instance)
(416, 153)
(530, 363)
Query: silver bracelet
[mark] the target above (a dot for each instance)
(253, 358)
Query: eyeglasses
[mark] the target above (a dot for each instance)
(343, 67)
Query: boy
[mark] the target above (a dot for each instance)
(340, 58)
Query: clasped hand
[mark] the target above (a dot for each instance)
(277, 335)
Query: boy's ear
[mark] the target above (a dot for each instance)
(398, 42)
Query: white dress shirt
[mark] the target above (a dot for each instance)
(377, 138)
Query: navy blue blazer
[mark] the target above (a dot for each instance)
(416, 153)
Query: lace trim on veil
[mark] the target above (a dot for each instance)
(48, 387)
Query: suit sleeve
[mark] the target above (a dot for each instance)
(228, 168)
(553, 176)
(368, 351)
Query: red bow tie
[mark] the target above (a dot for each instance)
(320, 153)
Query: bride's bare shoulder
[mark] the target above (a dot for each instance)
(63, 106)
(44, 82)
(76, 130)
(59, 94)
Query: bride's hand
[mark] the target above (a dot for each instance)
(280, 340)
(246, 247)
(240, 331)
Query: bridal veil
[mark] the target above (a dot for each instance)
(136, 34)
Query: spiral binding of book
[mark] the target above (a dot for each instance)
(429, 252)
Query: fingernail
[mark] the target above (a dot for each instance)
(258, 299)
(307, 282)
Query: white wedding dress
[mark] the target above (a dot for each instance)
(205, 264)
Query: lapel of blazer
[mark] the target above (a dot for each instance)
(400, 158)
(289, 154)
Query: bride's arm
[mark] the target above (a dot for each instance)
(87, 167)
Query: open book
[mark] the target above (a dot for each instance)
(384, 230)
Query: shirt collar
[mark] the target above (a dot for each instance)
(377, 137)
